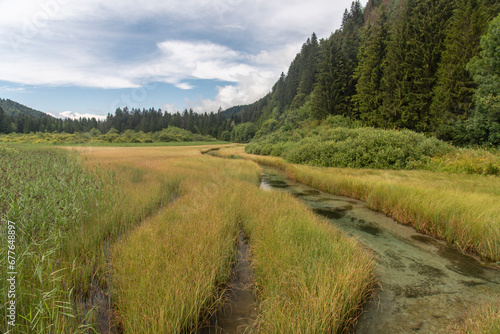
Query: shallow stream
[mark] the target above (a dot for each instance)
(426, 286)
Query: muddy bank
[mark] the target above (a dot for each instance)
(426, 286)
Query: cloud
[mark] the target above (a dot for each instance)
(248, 89)
(75, 115)
(12, 89)
(130, 44)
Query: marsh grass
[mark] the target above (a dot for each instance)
(170, 273)
(483, 318)
(108, 227)
(310, 278)
(461, 209)
(45, 192)
(66, 217)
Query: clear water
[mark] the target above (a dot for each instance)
(426, 286)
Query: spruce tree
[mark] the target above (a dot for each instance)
(453, 94)
(484, 126)
(413, 55)
(368, 98)
(327, 96)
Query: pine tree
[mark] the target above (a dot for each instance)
(3, 127)
(484, 125)
(327, 96)
(350, 44)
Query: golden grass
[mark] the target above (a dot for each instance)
(169, 272)
(483, 319)
(461, 209)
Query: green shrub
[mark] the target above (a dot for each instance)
(332, 145)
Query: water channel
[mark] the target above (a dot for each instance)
(426, 286)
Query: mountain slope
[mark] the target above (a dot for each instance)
(14, 109)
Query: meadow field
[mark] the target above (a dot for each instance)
(143, 239)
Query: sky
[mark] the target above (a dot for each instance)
(85, 58)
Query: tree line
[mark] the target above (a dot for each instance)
(430, 66)
(212, 124)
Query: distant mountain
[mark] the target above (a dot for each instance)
(15, 109)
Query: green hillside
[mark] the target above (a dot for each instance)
(14, 109)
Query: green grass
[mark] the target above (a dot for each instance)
(66, 217)
(45, 192)
(154, 144)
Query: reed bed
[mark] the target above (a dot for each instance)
(66, 217)
(169, 274)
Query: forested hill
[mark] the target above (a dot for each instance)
(15, 117)
(417, 64)
(15, 109)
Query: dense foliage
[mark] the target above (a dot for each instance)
(331, 145)
(213, 124)
(397, 64)
(424, 65)
(171, 134)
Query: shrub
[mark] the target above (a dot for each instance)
(331, 145)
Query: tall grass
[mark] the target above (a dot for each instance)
(45, 192)
(310, 278)
(66, 217)
(169, 263)
(483, 319)
(170, 272)
(461, 209)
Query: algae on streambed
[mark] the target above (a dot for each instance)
(425, 284)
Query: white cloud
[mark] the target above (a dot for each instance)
(249, 88)
(12, 89)
(170, 107)
(75, 115)
(79, 42)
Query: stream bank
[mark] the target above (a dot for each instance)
(426, 286)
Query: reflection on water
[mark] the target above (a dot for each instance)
(425, 284)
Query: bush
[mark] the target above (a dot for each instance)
(332, 145)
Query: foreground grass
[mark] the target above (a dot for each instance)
(170, 272)
(310, 278)
(461, 209)
(483, 318)
(66, 217)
